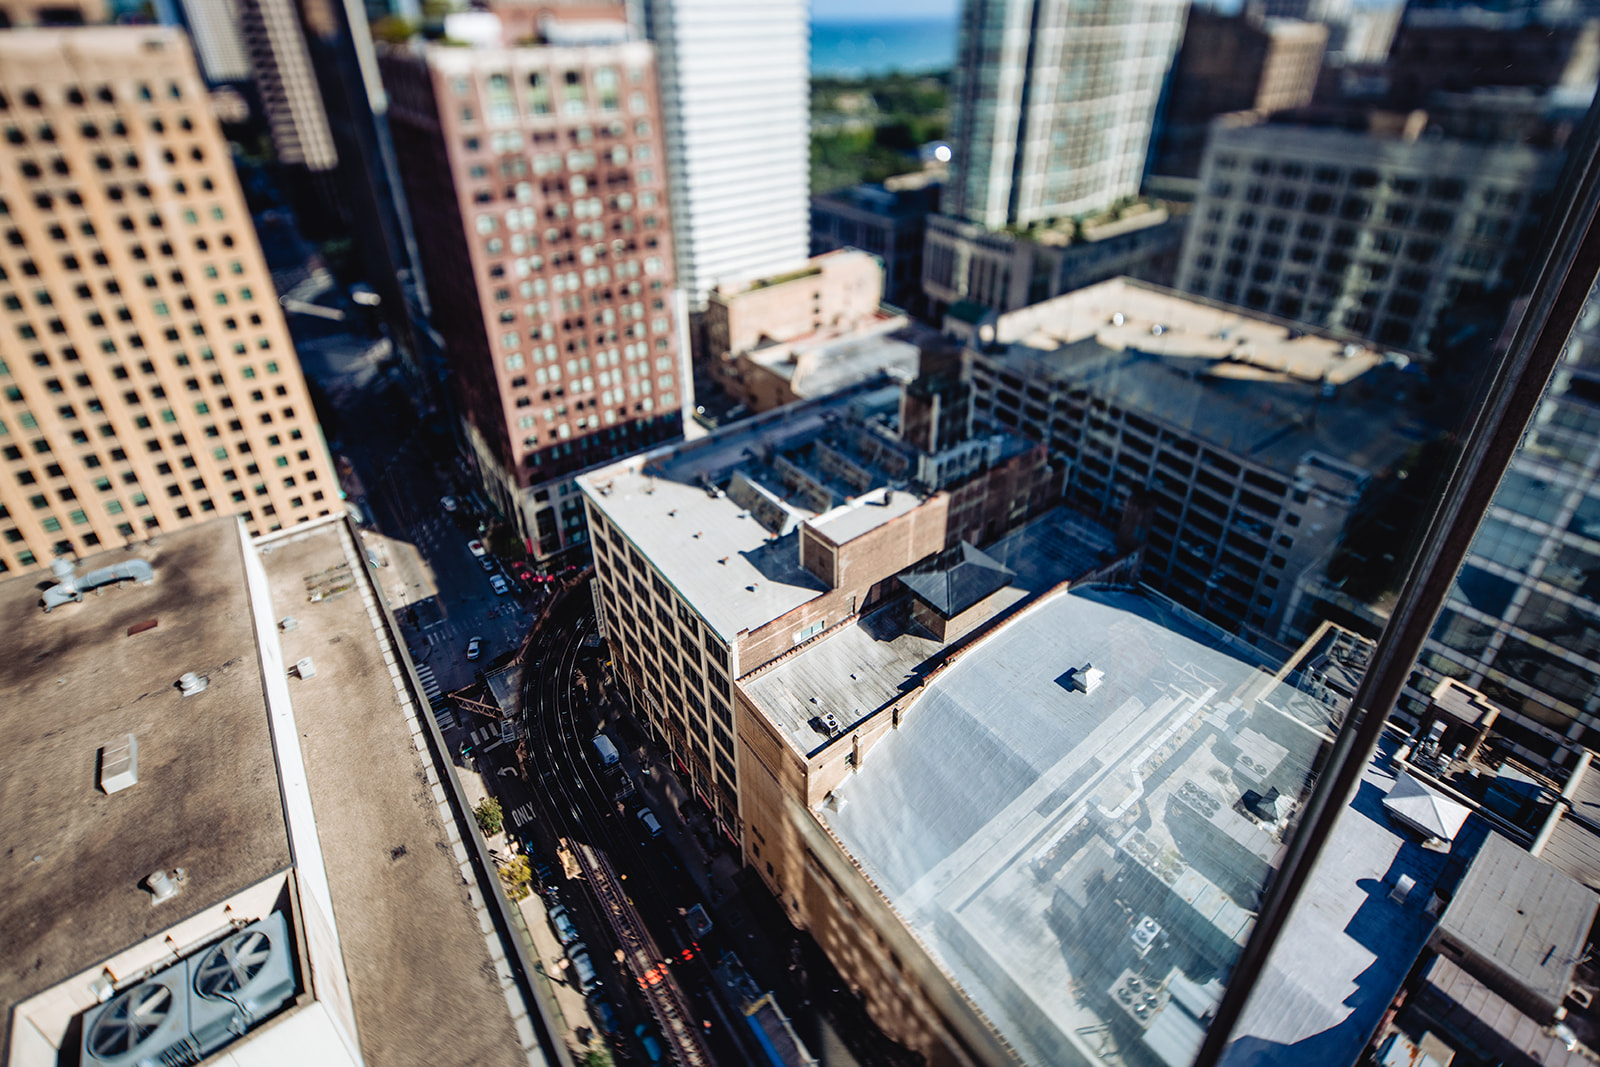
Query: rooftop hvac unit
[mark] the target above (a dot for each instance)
(146, 1024)
(183, 1014)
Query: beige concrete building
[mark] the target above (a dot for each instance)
(147, 378)
(833, 293)
(716, 557)
(19, 13)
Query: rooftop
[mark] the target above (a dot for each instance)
(207, 798)
(866, 666)
(1348, 945)
(1257, 387)
(828, 361)
(1522, 915)
(767, 476)
(424, 984)
(1051, 835)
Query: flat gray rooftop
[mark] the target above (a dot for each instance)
(1347, 947)
(1249, 385)
(869, 664)
(422, 980)
(1025, 827)
(1524, 916)
(207, 798)
(833, 365)
(719, 558)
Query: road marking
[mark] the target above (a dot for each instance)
(522, 815)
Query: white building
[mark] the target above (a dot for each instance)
(1053, 103)
(734, 92)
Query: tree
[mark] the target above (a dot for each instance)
(489, 816)
(517, 877)
(599, 1056)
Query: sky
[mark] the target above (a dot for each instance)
(878, 10)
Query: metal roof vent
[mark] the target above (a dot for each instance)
(1084, 679)
(163, 886)
(70, 586)
(119, 765)
(191, 683)
(287, 623)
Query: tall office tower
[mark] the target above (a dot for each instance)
(290, 97)
(734, 92)
(538, 196)
(1233, 63)
(1382, 232)
(213, 26)
(340, 44)
(1053, 104)
(149, 380)
(1523, 618)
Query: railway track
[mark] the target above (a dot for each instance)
(578, 797)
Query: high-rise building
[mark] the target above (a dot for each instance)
(287, 85)
(1052, 105)
(537, 191)
(1233, 63)
(734, 91)
(1522, 625)
(213, 26)
(1378, 231)
(1449, 49)
(149, 378)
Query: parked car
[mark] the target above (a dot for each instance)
(498, 583)
(582, 969)
(561, 923)
(448, 503)
(604, 1016)
(475, 648)
(522, 571)
(476, 548)
(650, 822)
(487, 563)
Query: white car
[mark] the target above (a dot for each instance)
(448, 503)
(650, 822)
(498, 583)
(475, 648)
(477, 549)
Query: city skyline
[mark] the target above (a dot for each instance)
(507, 563)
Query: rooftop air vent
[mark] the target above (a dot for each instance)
(1084, 679)
(70, 586)
(831, 721)
(1118, 319)
(163, 886)
(119, 764)
(191, 683)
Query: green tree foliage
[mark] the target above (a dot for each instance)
(489, 816)
(867, 129)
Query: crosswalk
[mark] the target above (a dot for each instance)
(430, 684)
(522, 815)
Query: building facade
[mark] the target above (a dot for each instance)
(1052, 105)
(538, 195)
(1376, 232)
(1233, 63)
(1522, 622)
(734, 86)
(1005, 270)
(886, 220)
(213, 26)
(149, 378)
(1234, 448)
(716, 557)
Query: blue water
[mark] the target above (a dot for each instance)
(853, 49)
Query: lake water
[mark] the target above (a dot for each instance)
(853, 49)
